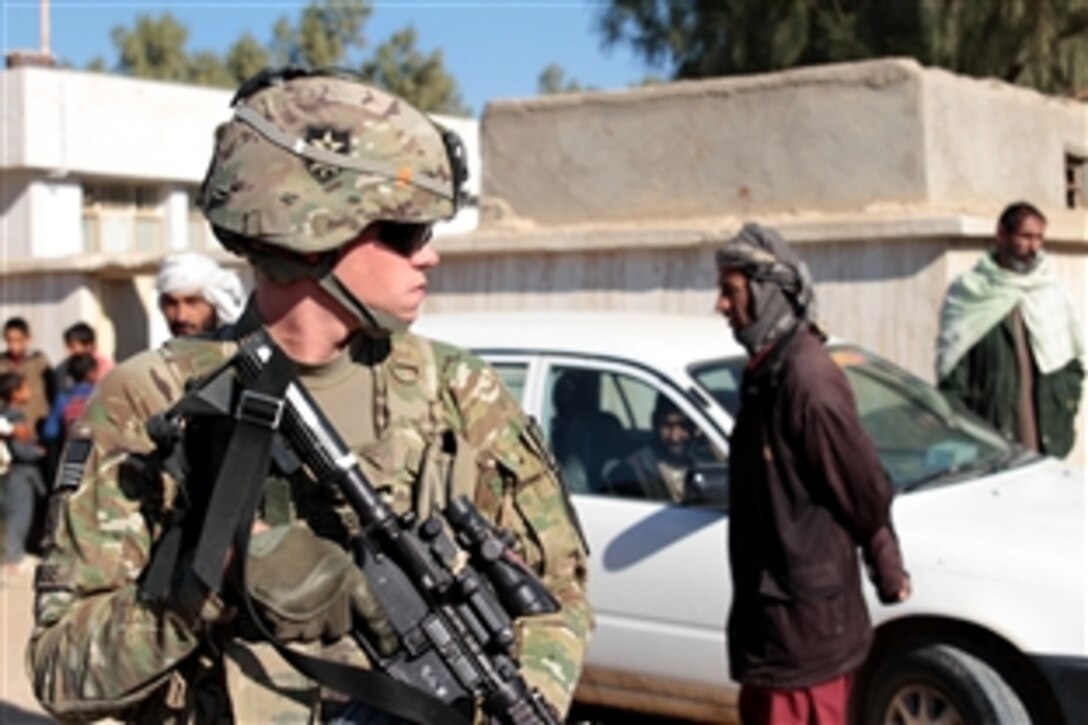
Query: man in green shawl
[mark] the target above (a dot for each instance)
(1010, 345)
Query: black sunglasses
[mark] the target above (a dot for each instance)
(403, 238)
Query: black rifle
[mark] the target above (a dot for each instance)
(450, 599)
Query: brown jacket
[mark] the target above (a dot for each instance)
(806, 490)
(39, 373)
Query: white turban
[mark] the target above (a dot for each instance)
(192, 272)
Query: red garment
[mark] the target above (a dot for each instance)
(105, 364)
(822, 704)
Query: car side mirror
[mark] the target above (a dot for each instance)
(707, 484)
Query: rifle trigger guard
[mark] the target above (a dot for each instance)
(259, 409)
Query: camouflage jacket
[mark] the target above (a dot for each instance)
(99, 650)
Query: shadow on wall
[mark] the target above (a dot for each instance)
(122, 304)
(640, 271)
(636, 271)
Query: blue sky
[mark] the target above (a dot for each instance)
(495, 49)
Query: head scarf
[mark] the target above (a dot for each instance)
(981, 298)
(192, 272)
(778, 282)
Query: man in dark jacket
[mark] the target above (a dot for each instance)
(1010, 344)
(806, 491)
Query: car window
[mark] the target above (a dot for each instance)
(619, 435)
(513, 376)
(917, 433)
(721, 379)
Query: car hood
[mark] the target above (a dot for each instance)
(1024, 525)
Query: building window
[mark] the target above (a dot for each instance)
(1076, 181)
(119, 217)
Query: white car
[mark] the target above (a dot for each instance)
(994, 537)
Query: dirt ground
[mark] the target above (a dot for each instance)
(17, 703)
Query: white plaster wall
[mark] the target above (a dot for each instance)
(828, 138)
(56, 217)
(989, 143)
(108, 125)
(175, 207)
(15, 215)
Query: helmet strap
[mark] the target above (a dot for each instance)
(374, 322)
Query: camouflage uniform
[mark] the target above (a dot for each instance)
(97, 648)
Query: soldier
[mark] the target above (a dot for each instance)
(329, 188)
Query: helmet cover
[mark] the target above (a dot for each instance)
(311, 158)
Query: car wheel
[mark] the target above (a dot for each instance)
(940, 685)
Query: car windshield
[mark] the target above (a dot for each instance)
(920, 438)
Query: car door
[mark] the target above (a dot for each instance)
(658, 580)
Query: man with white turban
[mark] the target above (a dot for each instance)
(197, 295)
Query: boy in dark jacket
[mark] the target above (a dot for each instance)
(82, 369)
(806, 491)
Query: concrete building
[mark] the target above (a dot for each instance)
(888, 175)
(98, 176)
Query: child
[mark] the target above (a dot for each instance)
(23, 482)
(82, 368)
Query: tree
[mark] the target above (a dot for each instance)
(283, 41)
(245, 58)
(207, 69)
(553, 80)
(326, 32)
(420, 79)
(1039, 43)
(154, 48)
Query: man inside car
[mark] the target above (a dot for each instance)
(658, 471)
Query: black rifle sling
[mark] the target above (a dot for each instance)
(241, 477)
(230, 513)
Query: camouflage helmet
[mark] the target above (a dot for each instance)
(311, 158)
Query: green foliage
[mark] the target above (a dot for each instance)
(420, 79)
(649, 80)
(553, 79)
(325, 35)
(207, 69)
(326, 32)
(245, 58)
(1037, 43)
(283, 42)
(154, 48)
